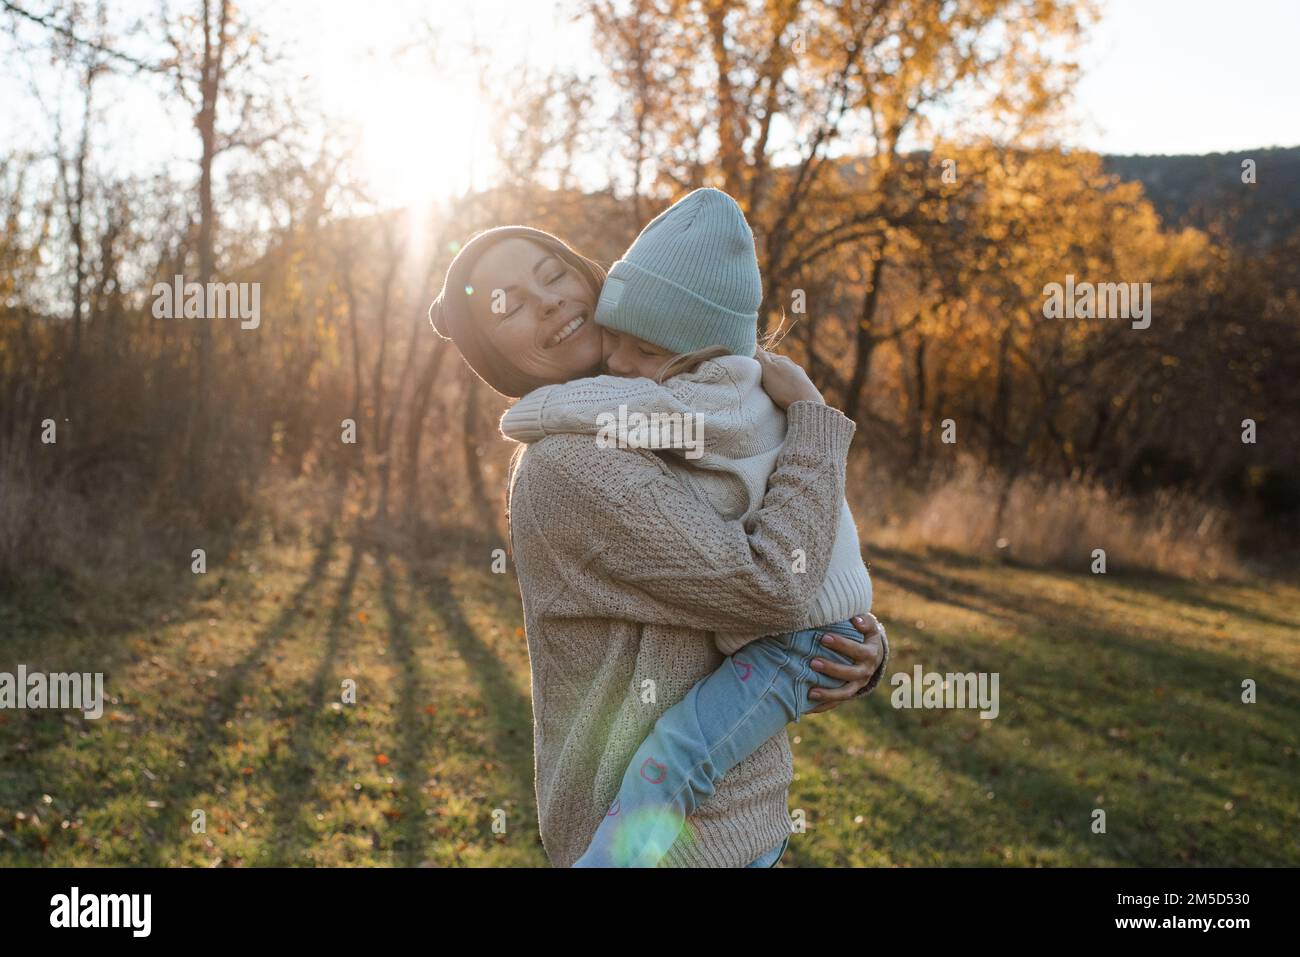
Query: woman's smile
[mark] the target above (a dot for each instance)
(579, 322)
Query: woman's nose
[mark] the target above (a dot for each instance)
(551, 304)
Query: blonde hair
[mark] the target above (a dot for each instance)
(687, 361)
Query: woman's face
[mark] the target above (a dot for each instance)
(628, 356)
(536, 310)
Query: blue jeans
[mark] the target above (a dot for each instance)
(772, 857)
(722, 720)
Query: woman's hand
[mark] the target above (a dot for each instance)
(785, 381)
(868, 655)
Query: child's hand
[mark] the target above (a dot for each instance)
(785, 381)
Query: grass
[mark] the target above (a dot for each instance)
(1118, 692)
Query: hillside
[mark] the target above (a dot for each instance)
(1206, 190)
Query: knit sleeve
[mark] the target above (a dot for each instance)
(579, 406)
(630, 541)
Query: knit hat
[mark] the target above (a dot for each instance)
(690, 280)
(451, 319)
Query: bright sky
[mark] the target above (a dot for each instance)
(424, 127)
(1160, 76)
(1192, 76)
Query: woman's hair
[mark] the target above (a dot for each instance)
(450, 314)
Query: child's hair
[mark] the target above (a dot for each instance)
(675, 365)
(689, 360)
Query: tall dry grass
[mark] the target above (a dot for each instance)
(1044, 523)
(104, 540)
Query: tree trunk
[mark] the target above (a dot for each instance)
(476, 483)
(864, 341)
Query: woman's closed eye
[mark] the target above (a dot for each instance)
(549, 280)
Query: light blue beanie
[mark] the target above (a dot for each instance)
(690, 280)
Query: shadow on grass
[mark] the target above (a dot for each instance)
(208, 733)
(508, 712)
(1176, 589)
(1157, 725)
(412, 728)
(293, 782)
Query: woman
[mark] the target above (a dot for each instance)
(625, 572)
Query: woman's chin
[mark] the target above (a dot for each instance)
(584, 359)
(573, 365)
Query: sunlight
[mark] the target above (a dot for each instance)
(403, 93)
(422, 142)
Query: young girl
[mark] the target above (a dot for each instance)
(690, 288)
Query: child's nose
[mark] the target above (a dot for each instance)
(617, 362)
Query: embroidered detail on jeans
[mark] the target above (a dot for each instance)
(662, 769)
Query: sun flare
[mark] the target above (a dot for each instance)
(421, 144)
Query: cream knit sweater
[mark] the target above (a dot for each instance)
(624, 572)
(739, 430)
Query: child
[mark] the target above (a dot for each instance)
(688, 291)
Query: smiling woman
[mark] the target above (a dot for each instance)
(519, 304)
(542, 301)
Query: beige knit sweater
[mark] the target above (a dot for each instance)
(624, 572)
(724, 433)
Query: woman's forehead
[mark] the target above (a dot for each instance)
(508, 259)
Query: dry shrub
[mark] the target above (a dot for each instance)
(95, 544)
(39, 523)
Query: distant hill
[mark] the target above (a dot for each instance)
(1206, 190)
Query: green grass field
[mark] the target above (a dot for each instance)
(1120, 692)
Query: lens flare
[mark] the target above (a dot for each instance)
(644, 835)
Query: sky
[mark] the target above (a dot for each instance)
(1159, 76)
(1191, 76)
